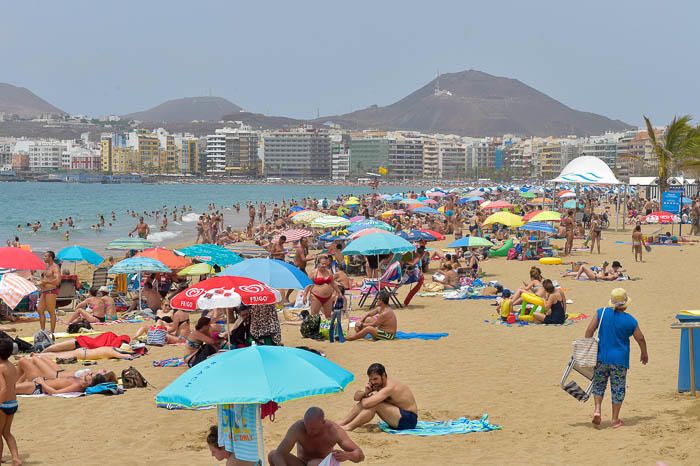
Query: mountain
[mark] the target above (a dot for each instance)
(473, 103)
(186, 110)
(23, 102)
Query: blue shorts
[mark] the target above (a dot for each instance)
(407, 421)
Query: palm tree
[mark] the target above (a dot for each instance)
(679, 148)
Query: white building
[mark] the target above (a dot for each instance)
(44, 155)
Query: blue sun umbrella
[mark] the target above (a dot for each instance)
(544, 227)
(256, 375)
(426, 210)
(211, 254)
(687, 200)
(79, 254)
(369, 223)
(416, 235)
(296, 208)
(572, 204)
(329, 236)
(272, 272)
(376, 244)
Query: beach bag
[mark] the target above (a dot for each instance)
(310, 326)
(76, 327)
(324, 328)
(42, 340)
(156, 336)
(132, 378)
(585, 350)
(512, 254)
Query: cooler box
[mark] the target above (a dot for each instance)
(684, 356)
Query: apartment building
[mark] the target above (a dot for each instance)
(369, 150)
(340, 156)
(233, 152)
(405, 155)
(302, 153)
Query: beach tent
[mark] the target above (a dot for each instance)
(587, 170)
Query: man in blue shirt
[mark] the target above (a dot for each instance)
(615, 327)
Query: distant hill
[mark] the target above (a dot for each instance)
(186, 110)
(23, 102)
(473, 103)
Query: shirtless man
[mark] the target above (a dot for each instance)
(300, 259)
(381, 323)
(568, 223)
(142, 228)
(386, 397)
(48, 285)
(277, 249)
(315, 438)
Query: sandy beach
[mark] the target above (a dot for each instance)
(511, 373)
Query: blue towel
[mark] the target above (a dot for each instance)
(457, 426)
(419, 336)
(107, 388)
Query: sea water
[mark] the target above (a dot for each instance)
(28, 202)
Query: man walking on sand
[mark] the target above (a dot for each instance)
(386, 397)
(315, 438)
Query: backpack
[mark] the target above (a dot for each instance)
(42, 340)
(76, 327)
(132, 378)
(310, 326)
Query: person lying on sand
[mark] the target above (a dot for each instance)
(605, 273)
(386, 397)
(315, 438)
(41, 385)
(381, 323)
(93, 354)
(38, 365)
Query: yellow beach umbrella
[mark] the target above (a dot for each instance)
(329, 221)
(546, 216)
(504, 218)
(196, 269)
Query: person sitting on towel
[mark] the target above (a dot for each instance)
(315, 438)
(385, 397)
(447, 277)
(380, 323)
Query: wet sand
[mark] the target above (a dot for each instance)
(511, 373)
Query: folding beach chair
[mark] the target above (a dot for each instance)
(67, 294)
(573, 388)
(389, 282)
(99, 277)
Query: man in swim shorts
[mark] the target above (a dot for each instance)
(49, 285)
(315, 438)
(385, 397)
(380, 323)
(142, 228)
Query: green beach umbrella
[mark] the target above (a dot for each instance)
(126, 244)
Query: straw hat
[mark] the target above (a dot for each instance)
(619, 298)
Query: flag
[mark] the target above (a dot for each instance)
(383, 171)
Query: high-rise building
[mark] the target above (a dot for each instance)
(405, 155)
(603, 147)
(550, 160)
(452, 160)
(299, 153)
(188, 154)
(233, 152)
(6, 147)
(431, 158)
(340, 156)
(369, 150)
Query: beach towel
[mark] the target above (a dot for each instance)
(14, 288)
(451, 427)
(121, 321)
(170, 362)
(238, 430)
(107, 388)
(419, 336)
(57, 335)
(104, 339)
(57, 395)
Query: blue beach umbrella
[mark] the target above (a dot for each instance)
(426, 210)
(330, 236)
(470, 242)
(255, 375)
(544, 227)
(79, 254)
(416, 235)
(296, 208)
(378, 243)
(572, 204)
(137, 265)
(369, 223)
(211, 254)
(272, 272)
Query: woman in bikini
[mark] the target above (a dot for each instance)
(535, 286)
(200, 336)
(324, 289)
(90, 310)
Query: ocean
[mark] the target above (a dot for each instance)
(28, 202)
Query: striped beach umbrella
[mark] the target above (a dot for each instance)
(294, 234)
(14, 288)
(126, 244)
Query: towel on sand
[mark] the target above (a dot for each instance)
(419, 336)
(457, 426)
(170, 362)
(57, 395)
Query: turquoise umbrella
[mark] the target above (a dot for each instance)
(138, 244)
(470, 242)
(137, 265)
(257, 375)
(571, 204)
(272, 272)
(79, 254)
(378, 243)
(370, 223)
(211, 254)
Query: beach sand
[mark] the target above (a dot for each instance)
(511, 373)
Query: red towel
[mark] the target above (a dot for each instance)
(104, 339)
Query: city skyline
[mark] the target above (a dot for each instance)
(322, 58)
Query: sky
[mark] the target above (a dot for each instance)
(618, 58)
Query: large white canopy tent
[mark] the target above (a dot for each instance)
(588, 169)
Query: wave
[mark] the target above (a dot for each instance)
(161, 236)
(191, 217)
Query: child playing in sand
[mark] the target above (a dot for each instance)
(506, 306)
(8, 398)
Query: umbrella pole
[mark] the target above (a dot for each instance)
(228, 333)
(138, 280)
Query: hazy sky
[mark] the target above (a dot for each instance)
(615, 57)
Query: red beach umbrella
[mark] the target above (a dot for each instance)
(20, 259)
(250, 291)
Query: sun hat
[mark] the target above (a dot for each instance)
(619, 298)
